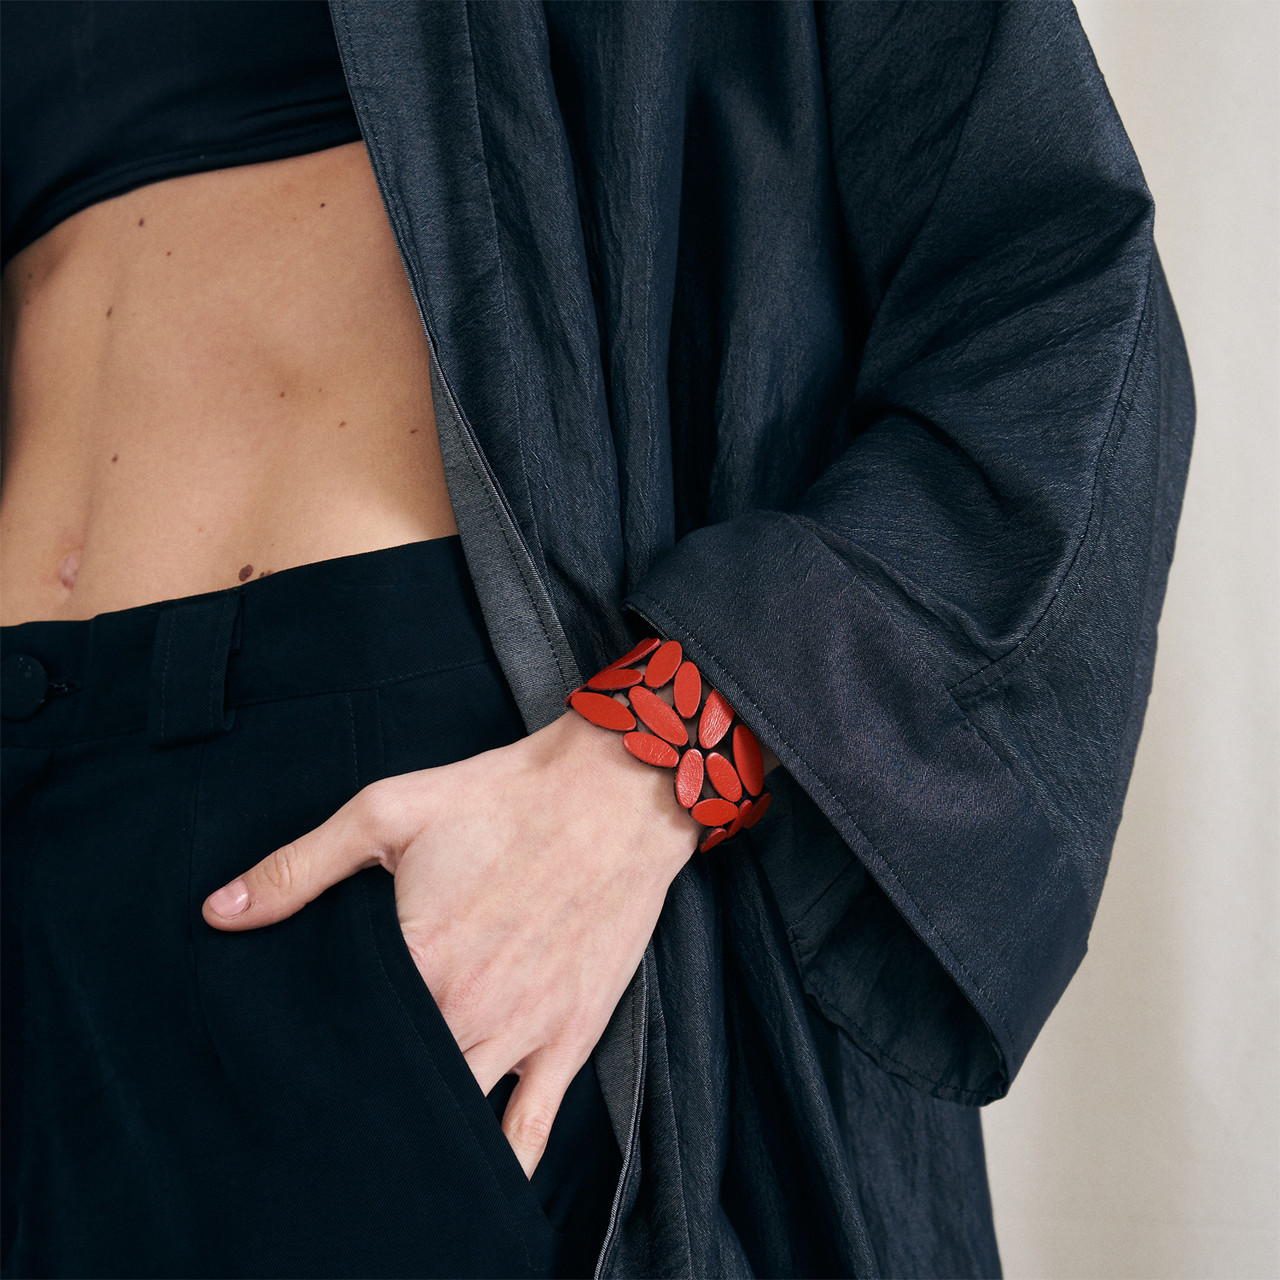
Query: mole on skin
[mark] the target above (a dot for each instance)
(245, 572)
(115, 457)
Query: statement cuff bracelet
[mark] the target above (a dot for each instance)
(724, 795)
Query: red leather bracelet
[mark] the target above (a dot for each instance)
(724, 795)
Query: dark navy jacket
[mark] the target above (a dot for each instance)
(832, 341)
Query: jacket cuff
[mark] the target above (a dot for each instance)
(930, 910)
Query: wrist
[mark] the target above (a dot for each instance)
(605, 775)
(669, 717)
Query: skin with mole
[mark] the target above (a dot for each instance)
(87, 313)
(246, 572)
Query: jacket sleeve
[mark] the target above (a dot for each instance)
(949, 641)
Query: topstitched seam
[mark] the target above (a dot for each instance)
(1045, 626)
(355, 753)
(220, 657)
(164, 673)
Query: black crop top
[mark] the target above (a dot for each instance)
(100, 96)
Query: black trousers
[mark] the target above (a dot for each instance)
(288, 1101)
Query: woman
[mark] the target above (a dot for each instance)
(818, 341)
(206, 361)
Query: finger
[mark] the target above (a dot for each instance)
(534, 1104)
(370, 828)
(489, 1061)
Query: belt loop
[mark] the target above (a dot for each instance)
(186, 700)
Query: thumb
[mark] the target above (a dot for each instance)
(533, 1105)
(369, 829)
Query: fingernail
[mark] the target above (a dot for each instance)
(230, 900)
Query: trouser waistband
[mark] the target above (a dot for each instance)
(180, 668)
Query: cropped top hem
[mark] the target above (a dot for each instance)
(100, 97)
(120, 179)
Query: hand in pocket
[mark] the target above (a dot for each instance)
(528, 883)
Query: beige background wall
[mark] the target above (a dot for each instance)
(1142, 1137)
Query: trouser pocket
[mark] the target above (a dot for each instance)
(431, 720)
(442, 1059)
(364, 1145)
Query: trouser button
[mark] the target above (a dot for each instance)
(24, 685)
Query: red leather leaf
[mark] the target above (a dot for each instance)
(744, 812)
(614, 678)
(662, 666)
(757, 810)
(642, 650)
(689, 778)
(723, 777)
(568, 697)
(600, 709)
(716, 715)
(644, 746)
(714, 812)
(688, 690)
(746, 755)
(713, 839)
(658, 716)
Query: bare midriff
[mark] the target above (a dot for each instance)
(207, 380)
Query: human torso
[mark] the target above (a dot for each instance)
(209, 378)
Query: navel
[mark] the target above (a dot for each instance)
(69, 569)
